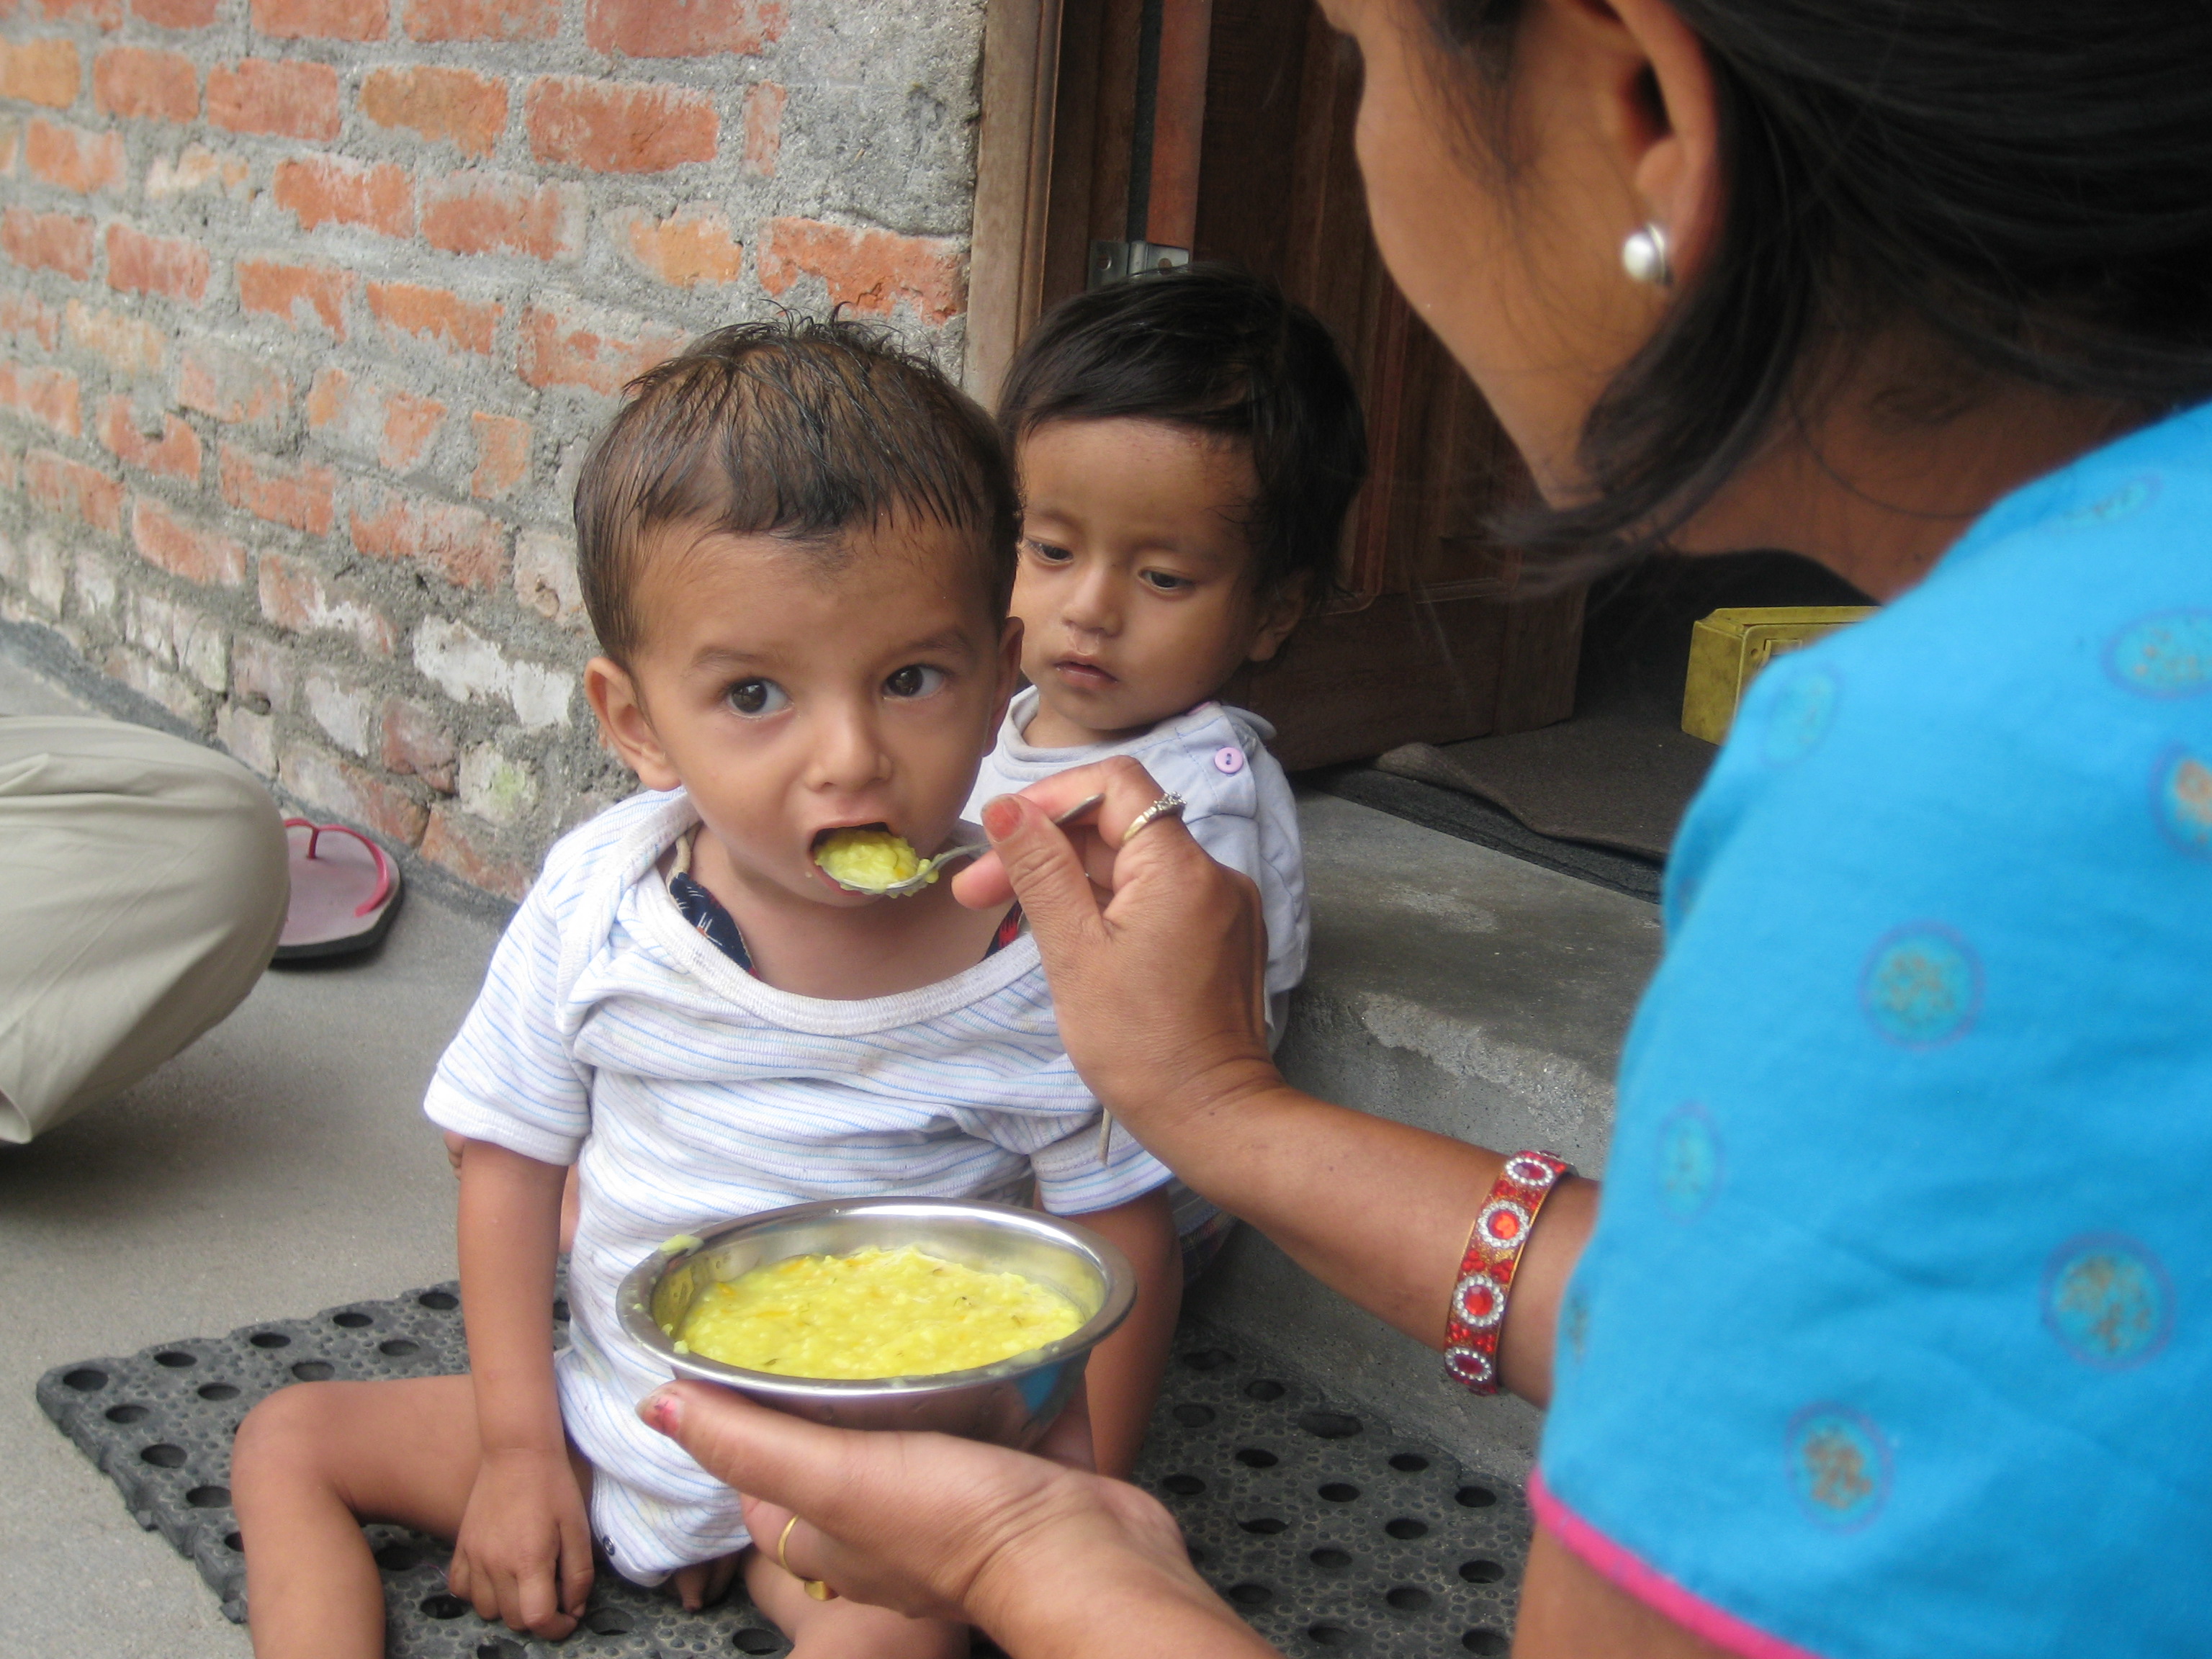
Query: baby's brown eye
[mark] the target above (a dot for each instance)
(914, 680)
(754, 698)
(1046, 553)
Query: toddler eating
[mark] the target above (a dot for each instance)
(1188, 447)
(796, 545)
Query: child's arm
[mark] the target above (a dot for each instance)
(525, 1544)
(1125, 1371)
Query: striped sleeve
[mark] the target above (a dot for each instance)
(1073, 1181)
(508, 1077)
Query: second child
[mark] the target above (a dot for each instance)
(1188, 447)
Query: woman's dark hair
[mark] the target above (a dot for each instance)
(792, 428)
(2030, 180)
(1215, 348)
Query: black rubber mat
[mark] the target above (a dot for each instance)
(1329, 1531)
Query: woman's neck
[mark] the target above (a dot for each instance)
(1878, 490)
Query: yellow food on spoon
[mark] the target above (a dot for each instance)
(874, 859)
(875, 1313)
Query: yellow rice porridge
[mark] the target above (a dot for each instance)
(872, 858)
(875, 1313)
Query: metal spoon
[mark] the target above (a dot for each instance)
(930, 866)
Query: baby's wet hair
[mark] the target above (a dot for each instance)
(1214, 348)
(795, 429)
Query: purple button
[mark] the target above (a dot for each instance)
(1229, 759)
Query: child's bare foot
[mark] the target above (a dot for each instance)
(838, 1629)
(704, 1585)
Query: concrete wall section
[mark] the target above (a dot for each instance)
(308, 309)
(1467, 991)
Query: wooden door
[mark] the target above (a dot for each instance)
(1224, 127)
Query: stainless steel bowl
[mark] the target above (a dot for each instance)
(1011, 1403)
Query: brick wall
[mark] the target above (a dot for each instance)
(308, 309)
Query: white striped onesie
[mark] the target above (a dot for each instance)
(610, 1034)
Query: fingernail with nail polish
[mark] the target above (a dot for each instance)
(1001, 816)
(660, 1410)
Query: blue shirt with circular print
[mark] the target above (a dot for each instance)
(1894, 1339)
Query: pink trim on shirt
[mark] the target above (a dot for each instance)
(1652, 1587)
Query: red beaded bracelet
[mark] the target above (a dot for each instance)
(1477, 1315)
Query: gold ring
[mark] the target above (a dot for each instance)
(1168, 805)
(814, 1587)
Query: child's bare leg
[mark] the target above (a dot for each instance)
(707, 1583)
(839, 1629)
(311, 1464)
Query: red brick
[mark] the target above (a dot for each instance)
(325, 781)
(280, 98)
(480, 20)
(139, 264)
(503, 213)
(174, 454)
(436, 313)
(416, 744)
(294, 596)
(396, 427)
(617, 127)
(129, 345)
(70, 158)
(460, 543)
(11, 145)
(601, 351)
(447, 843)
(198, 555)
(869, 271)
(301, 496)
(104, 14)
(74, 489)
(175, 14)
(234, 386)
(294, 292)
(149, 85)
(464, 108)
(686, 250)
(48, 395)
(27, 317)
(502, 455)
(47, 241)
(321, 19)
(44, 71)
(764, 127)
(325, 190)
(655, 28)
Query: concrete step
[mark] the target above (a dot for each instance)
(1467, 991)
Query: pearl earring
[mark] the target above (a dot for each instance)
(1646, 257)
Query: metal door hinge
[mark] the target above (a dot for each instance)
(1118, 262)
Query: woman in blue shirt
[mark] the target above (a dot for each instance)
(1891, 1336)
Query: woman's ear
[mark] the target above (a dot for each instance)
(1281, 609)
(1657, 109)
(625, 723)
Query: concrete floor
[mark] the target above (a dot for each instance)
(256, 1174)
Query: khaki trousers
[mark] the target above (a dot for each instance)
(143, 885)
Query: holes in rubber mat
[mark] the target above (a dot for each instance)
(1184, 1485)
(126, 1413)
(1330, 1425)
(1264, 1390)
(86, 1379)
(1194, 1416)
(209, 1497)
(1251, 1594)
(314, 1370)
(1256, 1457)
(499, 1648)
(163, 1455)
(175, 1359)
(398, 1557)
(1404, 1526)
(438, 1301)
(444, 1605)
(1330, 1557)
(1409, 1463)
(1474, 1498)
(352, 1319)
(609, 1621)
(270, 1339)
(757, 1641)
(1264, 1526)
(1208, 1360)
(1480, 1571)
(1339, 1492)
(561, 1309)
(1409, 1598)
(1484, 1641)
(234, 1542)
(217, 1391)
(399, 1347)
(1328, 1635)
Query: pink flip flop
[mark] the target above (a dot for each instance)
(343, 896)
